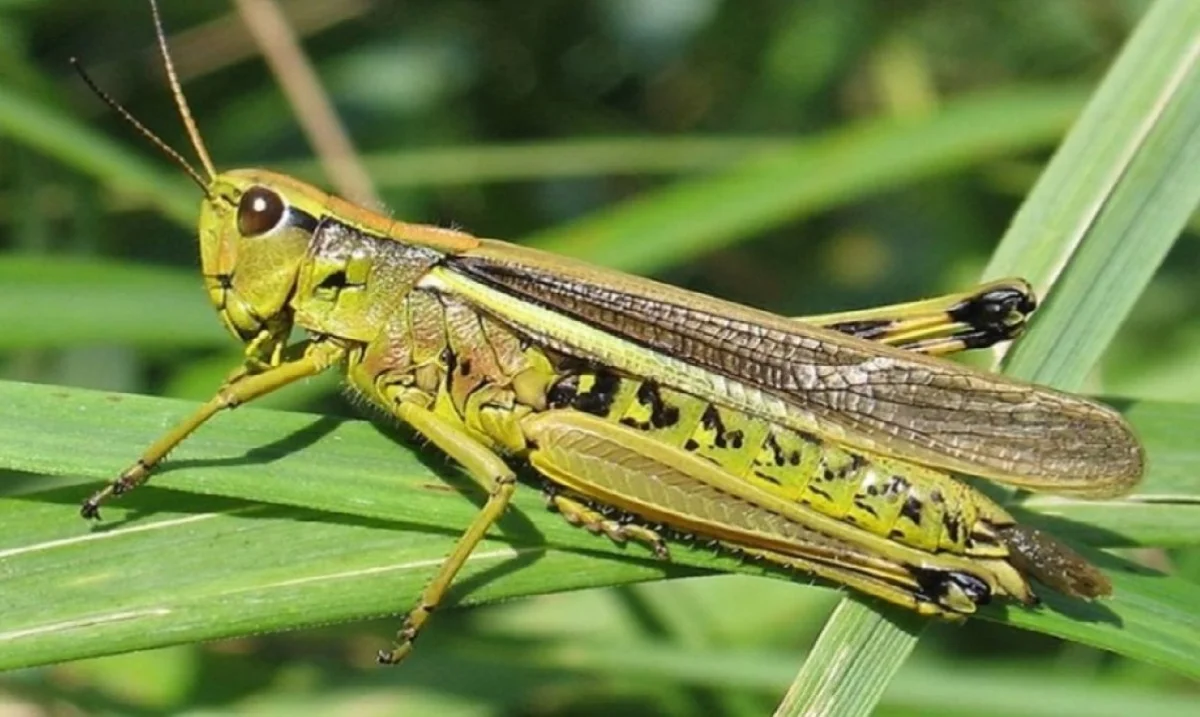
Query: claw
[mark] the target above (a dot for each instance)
(395, 655)
(90, 510)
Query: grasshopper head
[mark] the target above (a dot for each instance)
(255, 228)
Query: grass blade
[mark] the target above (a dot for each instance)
(835, 679)
(305, 520)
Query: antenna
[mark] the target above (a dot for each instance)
(141, 128)
(185, 112)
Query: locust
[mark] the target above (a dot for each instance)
(830, 446)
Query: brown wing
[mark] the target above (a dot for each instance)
(881, 399)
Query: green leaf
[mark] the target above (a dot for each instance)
(305, 520)
(374, 524)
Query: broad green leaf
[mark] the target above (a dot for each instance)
(305, 520)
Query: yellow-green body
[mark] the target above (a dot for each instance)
(826, 445)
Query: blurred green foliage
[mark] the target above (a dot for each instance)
(911, 131)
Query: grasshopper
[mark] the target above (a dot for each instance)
(827, 446)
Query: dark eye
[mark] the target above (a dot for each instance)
(259, 211)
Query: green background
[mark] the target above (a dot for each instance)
(801, 157)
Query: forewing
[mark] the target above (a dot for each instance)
(872, 396)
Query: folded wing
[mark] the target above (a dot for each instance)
(872, 396)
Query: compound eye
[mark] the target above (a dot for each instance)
(259, 211)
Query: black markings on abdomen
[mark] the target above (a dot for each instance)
(722, 437)
(660, 414)
(951, 524)
(596, 399)
(912, 510)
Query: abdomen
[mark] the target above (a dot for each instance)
(908, 503)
